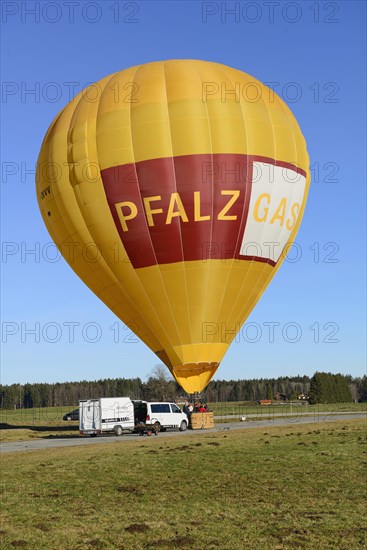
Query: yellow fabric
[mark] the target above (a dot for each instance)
(157, 110)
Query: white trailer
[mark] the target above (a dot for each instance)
(107, 414)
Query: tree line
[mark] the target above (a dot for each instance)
(321, 388)
(336, 388)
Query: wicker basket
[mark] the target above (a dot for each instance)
(201, 421)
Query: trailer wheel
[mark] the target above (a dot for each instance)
(117, 430)
(149, 432)
(183, 426)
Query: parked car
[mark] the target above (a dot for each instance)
(72, 415)
(162, 415)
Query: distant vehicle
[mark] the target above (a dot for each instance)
(121, 414)
(73, 415)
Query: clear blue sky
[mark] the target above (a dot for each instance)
(315, 51)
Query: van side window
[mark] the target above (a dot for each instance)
(175, 409)
(160, 408)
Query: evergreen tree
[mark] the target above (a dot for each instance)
(362, 389)
(315, 389)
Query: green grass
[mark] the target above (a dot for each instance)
(24, 424)
(28, 424)
(242, 408)
(35, 416)
(275, 488)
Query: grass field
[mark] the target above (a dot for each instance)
(28, 424)
(280, 488)
(241, 409)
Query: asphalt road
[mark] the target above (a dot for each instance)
(50, 443)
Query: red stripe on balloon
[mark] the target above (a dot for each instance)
(204, 186)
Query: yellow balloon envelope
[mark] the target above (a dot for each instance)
(173, 190)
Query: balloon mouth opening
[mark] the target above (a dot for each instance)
(194, 377)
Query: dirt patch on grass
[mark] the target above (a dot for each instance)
(183, 541)
(183, 448)
(137, 528)
(43, 527)
(130, 489)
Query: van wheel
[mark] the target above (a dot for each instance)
(183, 426)
(117, 430)
(157, 426)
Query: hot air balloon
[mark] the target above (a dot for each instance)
(173, 190)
